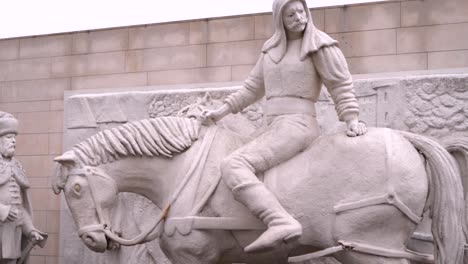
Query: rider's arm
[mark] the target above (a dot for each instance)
(253, 90)
(333, 69)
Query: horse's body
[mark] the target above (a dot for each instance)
(370, 189)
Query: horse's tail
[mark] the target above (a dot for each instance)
(447, 205)
(458, 147)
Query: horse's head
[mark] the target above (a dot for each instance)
(90, 194)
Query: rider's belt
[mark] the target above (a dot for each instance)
(289, 105)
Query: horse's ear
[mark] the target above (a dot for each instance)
(68, 159)
(206, 99)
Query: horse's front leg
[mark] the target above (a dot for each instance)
(196, 248)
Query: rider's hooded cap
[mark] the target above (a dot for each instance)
(312, 40)
(8, 124)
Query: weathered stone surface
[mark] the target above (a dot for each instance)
(164, 35)
(24, 107)
(48, 46)
(433, 38)
(233, 53)
(32, 144)
(362, 17)
(39, 183)
(56, 105)
(55, 143)
(231, 29)
(201, 75)
(431, 12)
(13, 70)
(101, 41)
(39, 166)
(448, 59)
(198, 32)
(388, 63)
(166, 58)
(241, 72)
(367, 43)
(91, 64)
(107, 81)
(20, 91)
(9, 49)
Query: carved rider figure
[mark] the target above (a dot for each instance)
(292, 67)
(15, 208)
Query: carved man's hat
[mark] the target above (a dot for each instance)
(8, 124)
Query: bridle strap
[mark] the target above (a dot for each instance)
(86, 171)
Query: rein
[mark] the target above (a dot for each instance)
(87, 171)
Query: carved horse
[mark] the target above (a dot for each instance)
(358, 199)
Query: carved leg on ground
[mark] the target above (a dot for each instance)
(281, 226)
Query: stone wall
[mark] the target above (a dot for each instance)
(35, 71)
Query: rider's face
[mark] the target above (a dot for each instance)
(294, 17)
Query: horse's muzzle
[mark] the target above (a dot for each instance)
(96, 241)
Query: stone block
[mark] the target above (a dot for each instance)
(25, 69)
(231, 29)
(39, 218)
(55, 122)
(37, 90)
(24, 107)
(167, 58)
(47, 46)
(187, 76)
(362, 17)
(32, 144)
(162, 35)
(53, 222)
(101, 41)
(448, 59)
(388, 63)
(433, 12)
(263, 26)
(37, 166)
(9, 49)
(36, 122)
(367, 43)
(51, 248)
(53, 201)
(37, 260)
(39, 183)
(109, 81)
(433, 38)
(90, 64)
(56, 105)
(39, 198)
(52, 260)
(318, 16)
(198, 32)
(241, 72)
(234, 53)
(55, 144)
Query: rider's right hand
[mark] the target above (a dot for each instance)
(217, 114)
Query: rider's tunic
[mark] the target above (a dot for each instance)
(291, 87)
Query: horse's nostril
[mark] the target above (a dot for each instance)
(88, 239)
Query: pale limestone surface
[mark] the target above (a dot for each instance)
(385, 102)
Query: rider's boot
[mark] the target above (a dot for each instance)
(282, 227)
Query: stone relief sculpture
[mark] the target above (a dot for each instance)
(18, 234)
(354, 196)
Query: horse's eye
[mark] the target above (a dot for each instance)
(77, 188)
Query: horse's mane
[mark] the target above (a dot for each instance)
(148, 137)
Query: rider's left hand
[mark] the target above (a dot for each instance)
(355, 128)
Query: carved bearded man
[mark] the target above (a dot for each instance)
(292, 67)
(15, 209)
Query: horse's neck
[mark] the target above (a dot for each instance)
(152, 177)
